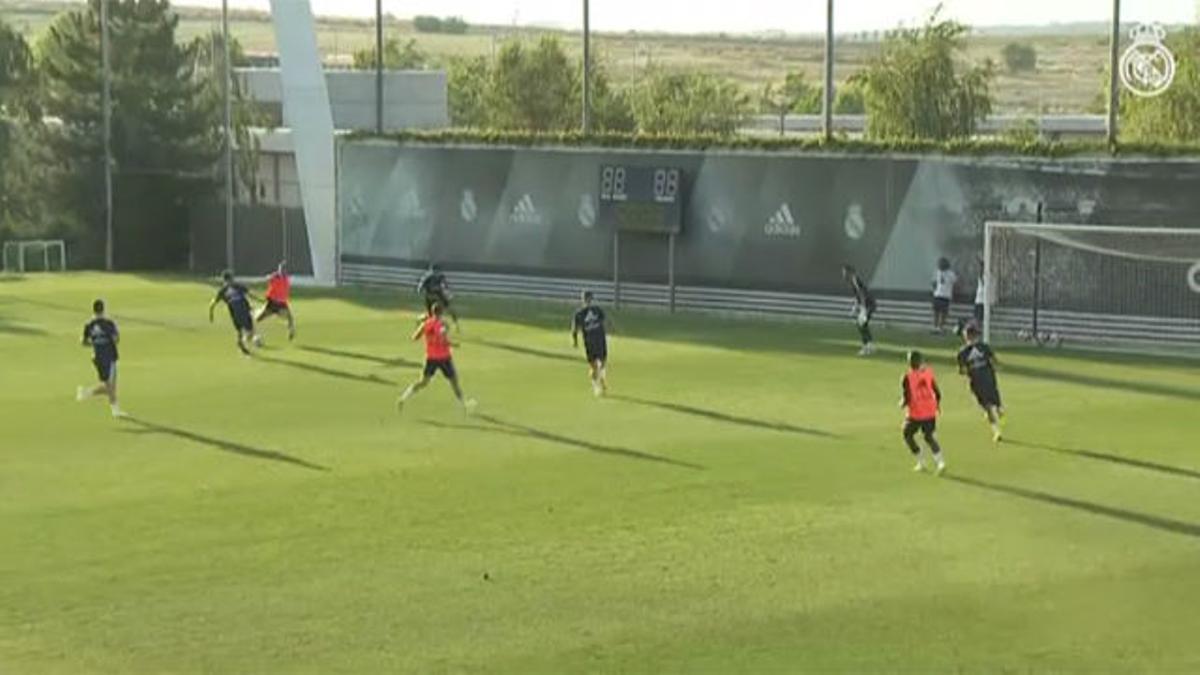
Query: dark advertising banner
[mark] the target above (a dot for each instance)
(751, 220)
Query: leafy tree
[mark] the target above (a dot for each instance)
(795, 95)
(16, 112)
(396, 56)
(534, 88)
(612, 110)
(469, 80)
(1020, 57)
(919, 87)
(1175, 114)
(166, 129)
(849, 99)
(689, 103)
(431, 24)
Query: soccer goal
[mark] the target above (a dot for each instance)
(37, 255)
(1092, 285)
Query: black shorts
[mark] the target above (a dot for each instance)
(436, 298)
(106, 369)
(941, 305)
(242, 320)
(926, 427)
(596, 352)
(987, 393)
(432, 366)
(274, 307)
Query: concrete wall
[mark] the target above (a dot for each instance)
(412, 99)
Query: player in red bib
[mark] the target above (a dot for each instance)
(923, 401)
(279, 292)
(438, 357)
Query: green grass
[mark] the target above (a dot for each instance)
(743, 502)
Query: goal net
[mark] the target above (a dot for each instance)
(1082, 284)
(38, 255)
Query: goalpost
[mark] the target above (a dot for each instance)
(1092, 285)
(44, 255)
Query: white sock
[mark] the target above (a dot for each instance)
(407, 394)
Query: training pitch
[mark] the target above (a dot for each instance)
(742, 502)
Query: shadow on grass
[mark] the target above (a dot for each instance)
(1131, 386)
(499, 426)
(357, 356)
(9, 328)
(726, 418)
(85, 312)
(145, 427)
(1144, 519)
(532, 351)
(1111, 459)
(327, 372)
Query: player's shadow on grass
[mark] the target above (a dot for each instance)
(327, 372)
(357, 356)
(144, 427)
(531, 351)
(84, 310)
(499, 426)
(727, 418)
(1145, 519)
(1111, 459)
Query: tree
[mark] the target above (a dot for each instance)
(16, 112)
(396, 56)
(468, 82)
(1020, 57)
(918, 86)
(849, 99)
(688, 103)
(534, 88)
(795, 95)
(1173, 116)
(166, 130)
(453, 25)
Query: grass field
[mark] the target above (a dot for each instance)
(1069, 77)
(741, 503)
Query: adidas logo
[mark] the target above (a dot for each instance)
(782, 224)
(525, 212)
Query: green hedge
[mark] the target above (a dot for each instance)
(961, 147)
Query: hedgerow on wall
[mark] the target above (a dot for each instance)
(842, 144)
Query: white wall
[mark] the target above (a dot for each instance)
(412, 99)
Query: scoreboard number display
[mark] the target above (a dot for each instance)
(641, 199)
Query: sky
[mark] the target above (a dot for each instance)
(747, 16)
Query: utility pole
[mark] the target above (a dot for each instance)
(106, 86)
(379, 66)
(226, 82)
(1114, 80)
(587, 68)
(827, 105)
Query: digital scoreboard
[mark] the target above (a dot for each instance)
(642, 199)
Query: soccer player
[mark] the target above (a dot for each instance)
(436, 289)
(437, 358)
(864, 308)
(944, 281)
(591, 321)
(923, 401)
(977, 361)
(102, 336)
(279, 291)
(237, 298)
